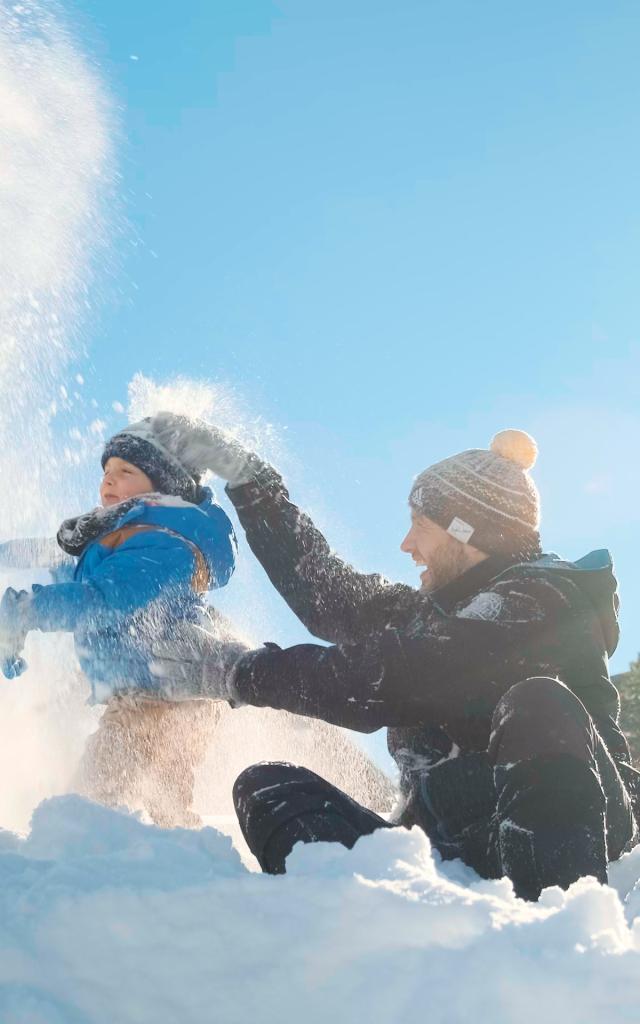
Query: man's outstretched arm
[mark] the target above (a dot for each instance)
(448, 670)
(452, 671)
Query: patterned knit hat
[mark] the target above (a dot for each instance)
(485, 498)
(156, 445)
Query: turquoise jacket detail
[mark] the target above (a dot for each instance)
(594, 575)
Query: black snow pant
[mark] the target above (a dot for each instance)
(544, 805)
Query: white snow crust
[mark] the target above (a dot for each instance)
(104, 919)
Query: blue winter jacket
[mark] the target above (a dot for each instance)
(131, 585)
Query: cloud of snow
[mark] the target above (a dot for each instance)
(55, 173)
(207, 400)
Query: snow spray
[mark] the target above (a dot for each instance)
(55, 174)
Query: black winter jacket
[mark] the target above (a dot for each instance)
(430, 667)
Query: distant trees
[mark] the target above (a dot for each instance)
(628, 684)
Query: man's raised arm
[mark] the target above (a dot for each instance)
(332, 599)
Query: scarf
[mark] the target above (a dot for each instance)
(75, 534)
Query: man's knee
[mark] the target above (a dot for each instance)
(541, 693)
(540, 716)
(258, 782)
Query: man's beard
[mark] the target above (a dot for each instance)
(446, 563)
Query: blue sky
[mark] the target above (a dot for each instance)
(394, 228)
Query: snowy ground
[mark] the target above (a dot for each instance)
(104, 919)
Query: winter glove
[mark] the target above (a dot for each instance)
(199, 446)
(193, 663)
(14, 626)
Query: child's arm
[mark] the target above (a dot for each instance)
(146, 566)
(149, 565)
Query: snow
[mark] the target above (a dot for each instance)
(56, 198)
(484, 606)
(107, 919)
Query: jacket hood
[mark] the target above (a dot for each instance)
(594, 575)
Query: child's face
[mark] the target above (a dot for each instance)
(122, 480)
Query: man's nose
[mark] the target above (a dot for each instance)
(406, 545)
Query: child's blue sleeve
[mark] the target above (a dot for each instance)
(142, 569)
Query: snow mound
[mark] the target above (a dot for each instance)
(107, 919)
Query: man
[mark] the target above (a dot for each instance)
(492, 678)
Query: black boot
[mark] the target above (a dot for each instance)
(549, 826)
(279, 805)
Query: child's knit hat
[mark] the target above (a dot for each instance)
(485, 497)
(158, 445)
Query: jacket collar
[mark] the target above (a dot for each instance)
(471, 582)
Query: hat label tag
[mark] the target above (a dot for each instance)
(460, 530)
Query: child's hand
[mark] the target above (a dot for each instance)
(14, 613)
(13, 667)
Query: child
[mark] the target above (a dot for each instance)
(145, 560)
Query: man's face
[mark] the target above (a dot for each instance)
(122, 480)
(444, 558)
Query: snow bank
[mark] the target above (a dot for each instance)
(105, 919)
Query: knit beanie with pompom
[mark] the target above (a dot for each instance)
(486, 498)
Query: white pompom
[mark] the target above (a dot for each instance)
(517, 446)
